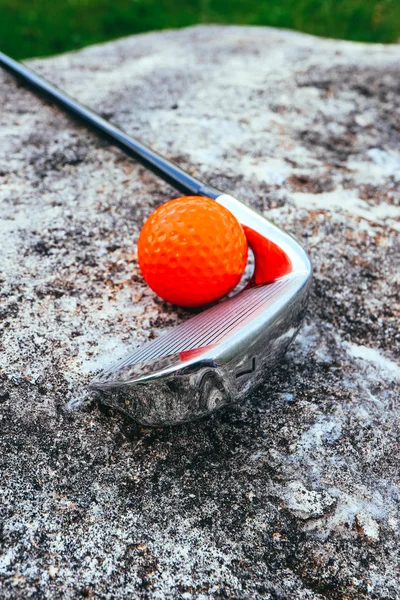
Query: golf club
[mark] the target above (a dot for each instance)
(220, 355)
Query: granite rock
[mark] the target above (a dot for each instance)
(293, 494)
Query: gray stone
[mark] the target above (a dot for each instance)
(293, 494)
(304, 503)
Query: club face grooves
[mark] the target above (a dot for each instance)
(167, 390)
(207, 328)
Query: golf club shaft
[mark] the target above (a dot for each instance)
(159, 165)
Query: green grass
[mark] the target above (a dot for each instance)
(43, 27)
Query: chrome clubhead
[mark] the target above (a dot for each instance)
(218, 356)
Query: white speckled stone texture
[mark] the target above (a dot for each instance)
(293, 494)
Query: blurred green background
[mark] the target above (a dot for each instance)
(43, 27)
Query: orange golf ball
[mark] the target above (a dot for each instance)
(192, 251)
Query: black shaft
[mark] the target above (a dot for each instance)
(159, 165)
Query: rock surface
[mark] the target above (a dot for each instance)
(294, 494)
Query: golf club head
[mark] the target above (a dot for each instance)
(220, 355)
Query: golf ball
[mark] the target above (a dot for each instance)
(192, 251)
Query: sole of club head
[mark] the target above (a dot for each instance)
(220, 355)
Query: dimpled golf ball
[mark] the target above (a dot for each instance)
(192, 251)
